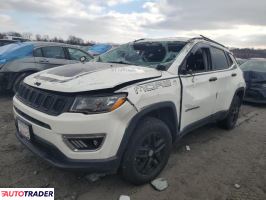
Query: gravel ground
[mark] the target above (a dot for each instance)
(218, 160)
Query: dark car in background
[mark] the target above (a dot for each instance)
(255, 77)
(19, 60)
(5, 42)
(241, 61)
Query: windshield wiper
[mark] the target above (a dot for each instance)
(121, 62)
(161, 67)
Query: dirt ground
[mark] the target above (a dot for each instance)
(218, 160)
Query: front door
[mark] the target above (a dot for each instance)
(198, 93)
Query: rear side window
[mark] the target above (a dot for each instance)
(53, 52)
(76, 54)
(219, 60)
(37, 52)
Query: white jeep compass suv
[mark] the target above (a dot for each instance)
(124, 110)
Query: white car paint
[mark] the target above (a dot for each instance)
(196, 96)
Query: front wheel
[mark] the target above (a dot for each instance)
(148, 151)
(230, 121)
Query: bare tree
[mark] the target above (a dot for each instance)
(75, 40)
(38, 37)
(27, 35)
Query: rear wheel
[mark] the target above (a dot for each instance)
(148, 151)
(230, 121)
(18, 80)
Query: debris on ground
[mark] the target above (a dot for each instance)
(94, 177)
(124, 197)
(237, 186)
(35, 172)
(188, 148)
(245, 118)
(159, 184)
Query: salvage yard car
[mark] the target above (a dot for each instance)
(255, 77)
(22, 59)
(123, 111)
(5, 42)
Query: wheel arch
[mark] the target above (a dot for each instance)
(165, 111)
(240, 92)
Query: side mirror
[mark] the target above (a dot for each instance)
(190, 72)
(82, 59)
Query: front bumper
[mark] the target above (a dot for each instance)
(52, 155)
(49, 132)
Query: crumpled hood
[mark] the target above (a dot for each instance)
(89, 76)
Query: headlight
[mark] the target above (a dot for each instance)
(97, 104)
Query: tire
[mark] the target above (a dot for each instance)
(230, 121)
(18, 80)
(147, 152)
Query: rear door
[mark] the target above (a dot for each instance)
(198, 93)
(225, 70)
(50, 56)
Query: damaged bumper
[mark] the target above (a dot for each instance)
(255, 95)
(52, 155)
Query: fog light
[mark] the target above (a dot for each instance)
(84, 142)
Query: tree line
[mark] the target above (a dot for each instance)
(46, 38)
(239, 53)
(249, 53)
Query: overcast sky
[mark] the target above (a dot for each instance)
(236, 23)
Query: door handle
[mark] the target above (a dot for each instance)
(44, 61)
(234, 75)
(212, 79)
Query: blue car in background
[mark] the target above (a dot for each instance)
(19, 60)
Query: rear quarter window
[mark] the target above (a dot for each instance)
(219, 60)
(37, 52)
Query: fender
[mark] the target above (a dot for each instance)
(140, 115)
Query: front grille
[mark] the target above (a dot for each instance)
(48, 102)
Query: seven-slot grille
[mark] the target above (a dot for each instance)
(44, 101)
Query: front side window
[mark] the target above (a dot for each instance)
(198, 61)
(53, 52)
(219, 61)
(148, 54)
(76, 54)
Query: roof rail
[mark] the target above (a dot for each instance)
(207, 39)
(139, 39)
